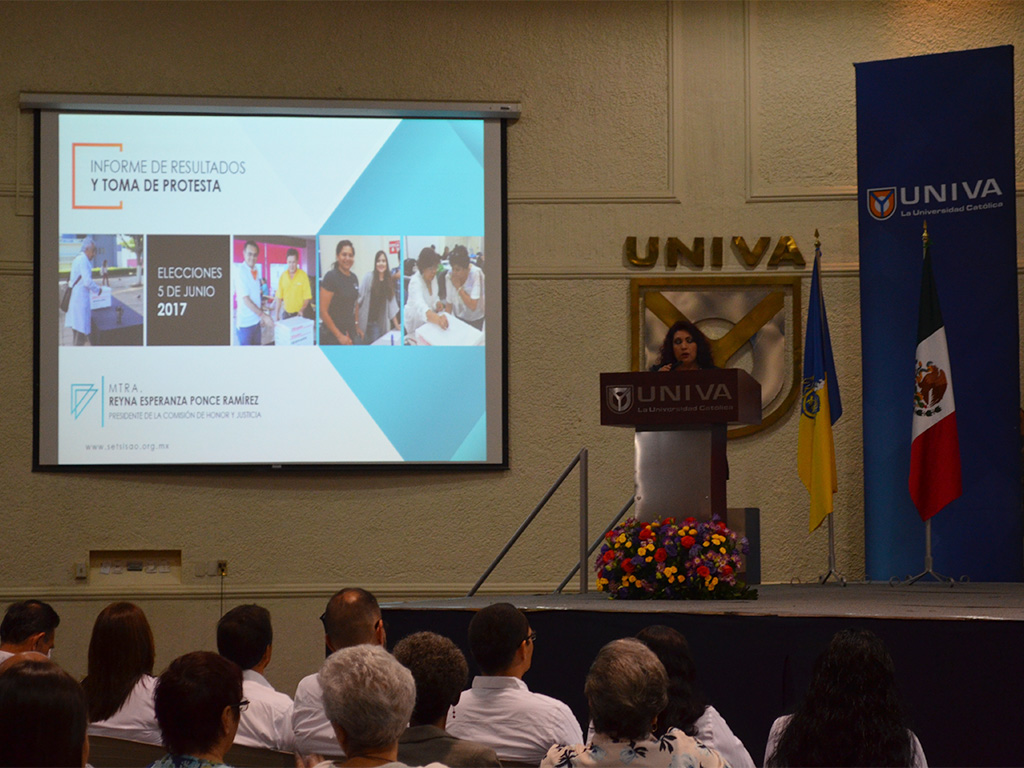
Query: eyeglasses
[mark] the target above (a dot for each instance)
(532, 637)
(241, 706)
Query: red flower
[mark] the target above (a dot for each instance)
(721, 525)
(646, 534)
(608, 556)
(668, 521)
(687, 541)
(726, 570)
(691, 520)
(660, 554)
(703, 571)
(627, 566)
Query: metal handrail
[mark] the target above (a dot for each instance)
(595, 545)
(581, 459)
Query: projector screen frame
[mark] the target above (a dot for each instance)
(496, 113)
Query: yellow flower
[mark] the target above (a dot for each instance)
(642, 551)
(671, 579)
(629, 543)
(707, 543)
(622, 538)
(722, 550)
(648, 559)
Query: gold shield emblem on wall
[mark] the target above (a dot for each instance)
(752, 322)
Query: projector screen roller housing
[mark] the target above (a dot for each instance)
(285, 284)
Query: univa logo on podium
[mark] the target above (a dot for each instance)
(619, 398)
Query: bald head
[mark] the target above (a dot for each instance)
(353, 618)
(21, 658)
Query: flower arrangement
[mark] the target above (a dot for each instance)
(690, 560)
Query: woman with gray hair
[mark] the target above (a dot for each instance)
(626, 690)
(368, 698)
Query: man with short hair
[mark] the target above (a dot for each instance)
(499, 710)
(465, 288)
(352, 618)
(246, 637)
(29, 625)
(245, 282)
(440, 671)
(293, 294)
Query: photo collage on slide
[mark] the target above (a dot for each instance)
(262, 290)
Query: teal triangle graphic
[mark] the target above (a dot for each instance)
(426, 400)
(428, 178)
(475, 443)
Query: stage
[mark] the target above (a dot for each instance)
(957, 652)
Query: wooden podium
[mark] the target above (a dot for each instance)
(680, 420)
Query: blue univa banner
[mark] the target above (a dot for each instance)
(935, 143)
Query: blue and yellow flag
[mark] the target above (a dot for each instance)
(820, 407)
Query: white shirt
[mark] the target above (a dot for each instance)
(136, 719)
(422, 297)
(714, 732)
(244, 284)
(267, 721)
(917, 759)
(314, 734)
(474, 288)
(520, 726)
(5, 655)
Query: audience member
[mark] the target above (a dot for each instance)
(352, 618)
(43, 714)
(368, 698)
(198, 702)
(245, 636)
(626, 690)
(29, 625)
(440, 672)
(120, 684)
(465, 288)
(499, 710)
(851, 714)
(687, 708)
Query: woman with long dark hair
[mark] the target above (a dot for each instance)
(378, 308)
(688, 709)
(120, 684)
(42, 714)
(851, 714)
(685, 348)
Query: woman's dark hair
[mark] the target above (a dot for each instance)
(851, 714)
(341, 244)
(459, 257)
(686, 701)
(382, 286)
(667, 356)
(440, 671)
(121, 651)
(190, 698)
(428, 259)
(43, 715)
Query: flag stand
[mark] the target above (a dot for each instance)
(928, 570)
(832, 557)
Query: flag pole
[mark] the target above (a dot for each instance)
(832, 557)
(928, 570)
(832, 572)
(928, 562)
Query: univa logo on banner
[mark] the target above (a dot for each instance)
(882, 201)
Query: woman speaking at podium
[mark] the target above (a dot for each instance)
(685, 348)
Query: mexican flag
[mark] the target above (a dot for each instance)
(935, 447)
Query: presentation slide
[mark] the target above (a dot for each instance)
(269, 290)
